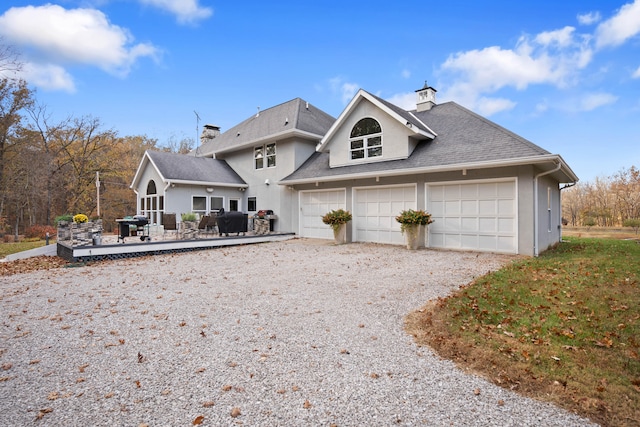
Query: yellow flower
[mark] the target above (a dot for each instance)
(80, 218)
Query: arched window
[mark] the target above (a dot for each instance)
(152, 204)
(366, 139)
(151, 187)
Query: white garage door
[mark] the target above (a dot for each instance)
(313, 205)
(375, 212)
(477, 216)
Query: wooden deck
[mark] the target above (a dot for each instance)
(134, 247)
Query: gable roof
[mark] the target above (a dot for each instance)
(464, 140)
(420, 129)
(293, 118)
(187, 169)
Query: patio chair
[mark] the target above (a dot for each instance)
(169, 223)
(202, 225)
(212, 224)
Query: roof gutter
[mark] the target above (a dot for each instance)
(205, 183)
(555, 158)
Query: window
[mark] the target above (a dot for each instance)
(234, 205)
(215, 204)
(152, 204)
(199, 205)
(266, 152)
(252, 205)
(366, 139)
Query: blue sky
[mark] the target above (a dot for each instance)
(563, 74)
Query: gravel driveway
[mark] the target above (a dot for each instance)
(300, 332)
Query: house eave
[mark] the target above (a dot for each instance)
(552, 159)
(206, 183)
(270, 138)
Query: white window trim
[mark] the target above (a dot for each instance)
(365, 148)
(265, 157)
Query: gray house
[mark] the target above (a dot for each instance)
(487, 188)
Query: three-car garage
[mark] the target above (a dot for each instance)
(476, 215)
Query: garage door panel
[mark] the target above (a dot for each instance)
(376, 222)
(313, 205)
(487, 207)
(478, 216)
(486, 225)
(468, 207)
(506, 225)
(506, 190)
(506, 207)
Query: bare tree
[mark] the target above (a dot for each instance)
(10, 63)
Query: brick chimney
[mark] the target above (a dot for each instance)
(426, 98)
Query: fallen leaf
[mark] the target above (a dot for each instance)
(208, 403)
(500, 402)
(307, 404)
(42, 412)
(6, 366)
(476, 391)
(235, 412)
(199, 419)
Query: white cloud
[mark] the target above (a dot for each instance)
(406, 74)
(592, 101)
(621, 27)
(589, 18)
(560, 38)
(186, 11)
(636, 74)
(489, 106)
(48, 77)
(551, 57)
(346, 90)
(53, 37)
(406, 101)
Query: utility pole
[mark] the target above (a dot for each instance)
(98, 192)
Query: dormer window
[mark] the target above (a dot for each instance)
(366, 139)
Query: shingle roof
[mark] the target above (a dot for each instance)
(183, 167)
(295, 115)
(462, 137)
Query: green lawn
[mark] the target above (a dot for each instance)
(12, 248)
(563, 327)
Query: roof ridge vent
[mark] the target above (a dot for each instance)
(258, 112)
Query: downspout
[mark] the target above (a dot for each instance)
(536, 217)
(564, 187)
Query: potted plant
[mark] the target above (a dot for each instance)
(338, 220)
(412, 225)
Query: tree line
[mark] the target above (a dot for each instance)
(48, 168)
(612, 201)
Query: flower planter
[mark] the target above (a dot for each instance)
(415, 236)
(340, 234)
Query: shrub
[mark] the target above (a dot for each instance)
(40, 232)
(65, 217)
(633, 223)
(336, 218)
(188, 216)
(410, 218)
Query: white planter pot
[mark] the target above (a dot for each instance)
(415, 236)
(340, 234)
